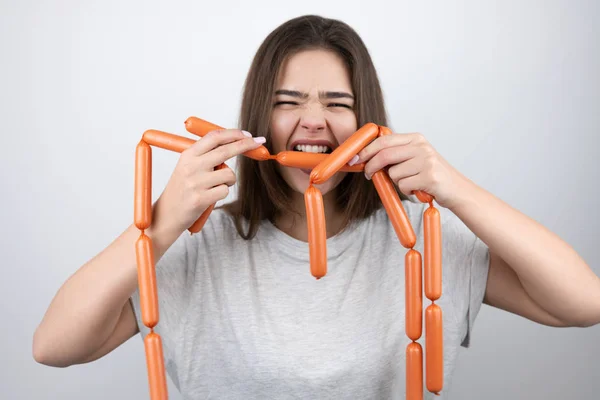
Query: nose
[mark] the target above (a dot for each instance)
(312, 120)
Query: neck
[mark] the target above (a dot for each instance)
(295, 225)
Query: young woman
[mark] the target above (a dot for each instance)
(240, 314)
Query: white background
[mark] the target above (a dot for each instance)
(508, 92)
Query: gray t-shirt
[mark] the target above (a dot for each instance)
(246, 319)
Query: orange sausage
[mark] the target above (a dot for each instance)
(147, 280)
(422, 196)
(413, 294)
(317, 236)
(156, 369)
(142, 213)
(414, 371)
(199, 224)
(299, 159)
(166, 140)
(434, 348)
(432, 253)
(395, 210)
(344, 153)
(201, 127)
(384, 130)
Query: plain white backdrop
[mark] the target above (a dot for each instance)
(508, 92)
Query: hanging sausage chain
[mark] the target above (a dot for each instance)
(323, 166)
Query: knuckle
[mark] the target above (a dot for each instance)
(211, 135)
(434, 178)
(197, 200)
(403, 187)
(386, 155)
(387, 140)
(430, 160)
(189, 186)
(223, 153)
(186, 168)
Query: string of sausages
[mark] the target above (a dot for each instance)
(323, 166)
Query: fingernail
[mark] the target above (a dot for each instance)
(247, 133)
(354, 160)
(367, 176)
(260, 139)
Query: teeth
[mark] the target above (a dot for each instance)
(311, 148)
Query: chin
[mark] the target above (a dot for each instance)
(298, 180)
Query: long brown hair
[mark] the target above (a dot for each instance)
(262, 192)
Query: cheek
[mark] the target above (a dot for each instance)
(282, 127)
(343, 126)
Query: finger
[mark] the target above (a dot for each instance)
(224, 176)
(389, 156)
(217, 193)
(405, 169)
(410, 184)
(227, 151)
(397, 139)
(216, 138)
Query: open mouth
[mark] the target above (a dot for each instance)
(309, 148)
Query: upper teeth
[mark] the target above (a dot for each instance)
(311, 148)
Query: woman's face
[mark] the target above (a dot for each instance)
(312, 111)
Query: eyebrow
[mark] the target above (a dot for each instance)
(327, 95)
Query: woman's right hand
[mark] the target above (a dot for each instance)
(195, 184)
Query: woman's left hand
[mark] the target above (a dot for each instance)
(413, 164)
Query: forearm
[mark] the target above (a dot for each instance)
(88, 305)
(549, 269)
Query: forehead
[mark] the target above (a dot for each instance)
(313, 71)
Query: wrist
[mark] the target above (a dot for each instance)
(163, 231)
(465, 196)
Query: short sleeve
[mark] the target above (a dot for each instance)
(478, 273)
(173, 279)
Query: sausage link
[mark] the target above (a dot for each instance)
(423, 197)
(432, 253)
(317, 236)
(413, 295)
(200, 127)
(298, 159)
(142, 213)
(167, 141)
(434, 348)
(395, 210)
(199, 223)
(344, 153)
(147, 280)
(384, 131)
(414, 371)
(156, 367)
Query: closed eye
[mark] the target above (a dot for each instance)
(293, 103)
